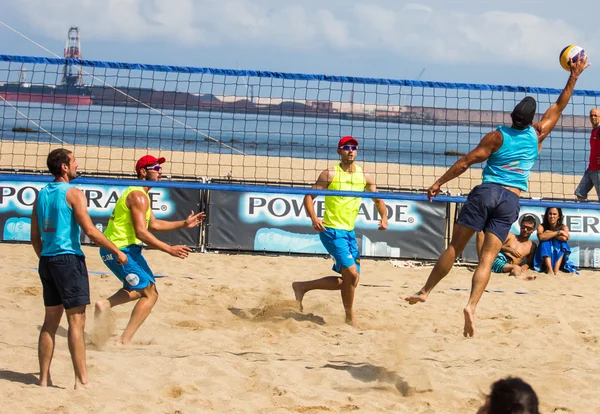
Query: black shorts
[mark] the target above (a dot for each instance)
(490, 207)
(64, 280)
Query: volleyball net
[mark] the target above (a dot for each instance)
(260, 128)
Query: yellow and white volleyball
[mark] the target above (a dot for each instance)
(572, 52)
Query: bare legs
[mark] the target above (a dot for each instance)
(548, 265)
(146, 297)
(481, 277)
(46, 342)
(460, 238)
(76, 321)
(347, 284)
(487, 253)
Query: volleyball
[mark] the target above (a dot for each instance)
(572, 52)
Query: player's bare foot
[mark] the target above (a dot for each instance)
(46, 382)
(101, 306)
(299, 293)
(469, 319)
(120, 342)
(81, 386)
(526, 277)
(420, 296)
(350, 320)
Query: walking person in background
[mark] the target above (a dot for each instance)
(591, 177)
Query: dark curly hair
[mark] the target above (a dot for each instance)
(512, 396)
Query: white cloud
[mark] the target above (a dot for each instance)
(435, 35)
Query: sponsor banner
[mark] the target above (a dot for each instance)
(279, 223)
(17, 199)
(584, 229)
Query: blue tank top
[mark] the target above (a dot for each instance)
(59, 230)
(512, 163)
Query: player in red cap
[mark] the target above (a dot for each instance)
(336, 230)
(130, 225)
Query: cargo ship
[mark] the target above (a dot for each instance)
(51, 94)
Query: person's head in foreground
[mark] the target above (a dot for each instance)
(149, 168)
(510, 396)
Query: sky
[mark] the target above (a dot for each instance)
(509, 42)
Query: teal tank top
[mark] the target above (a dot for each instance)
(59, 230)
(512, 163)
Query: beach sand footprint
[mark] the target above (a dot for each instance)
(187, 324)
(26, 290)
(176, 391)
(277, 311)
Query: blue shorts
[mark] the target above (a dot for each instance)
(490, 208)
(342, 246)
(135, 275)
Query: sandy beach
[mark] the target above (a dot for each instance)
(226, 336)
(93, 159)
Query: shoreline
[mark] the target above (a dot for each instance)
(22, 155)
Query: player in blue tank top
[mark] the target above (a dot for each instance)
(493, 206)
(59, 214)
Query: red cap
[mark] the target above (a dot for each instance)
(148, 160)
(347, 140)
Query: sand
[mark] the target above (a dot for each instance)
(226, 337)
(195, 166)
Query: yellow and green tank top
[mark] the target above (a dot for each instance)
(341, 212)
(120, 228)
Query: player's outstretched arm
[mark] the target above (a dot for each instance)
(193, 220)
(552, 114)
(491, 142)
(138, 205)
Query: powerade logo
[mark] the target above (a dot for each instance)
(18, 197)
(280, 209)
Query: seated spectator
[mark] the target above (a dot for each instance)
(517, 252)
(510, 396)
(552, 254)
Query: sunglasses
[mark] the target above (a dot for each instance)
(527, 227)
(154, 167)
(349, 147)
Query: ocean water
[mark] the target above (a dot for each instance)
(271, 135)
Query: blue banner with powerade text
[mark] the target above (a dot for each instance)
(17, 198)
(279, 223)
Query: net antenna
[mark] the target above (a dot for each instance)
(73, 48)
